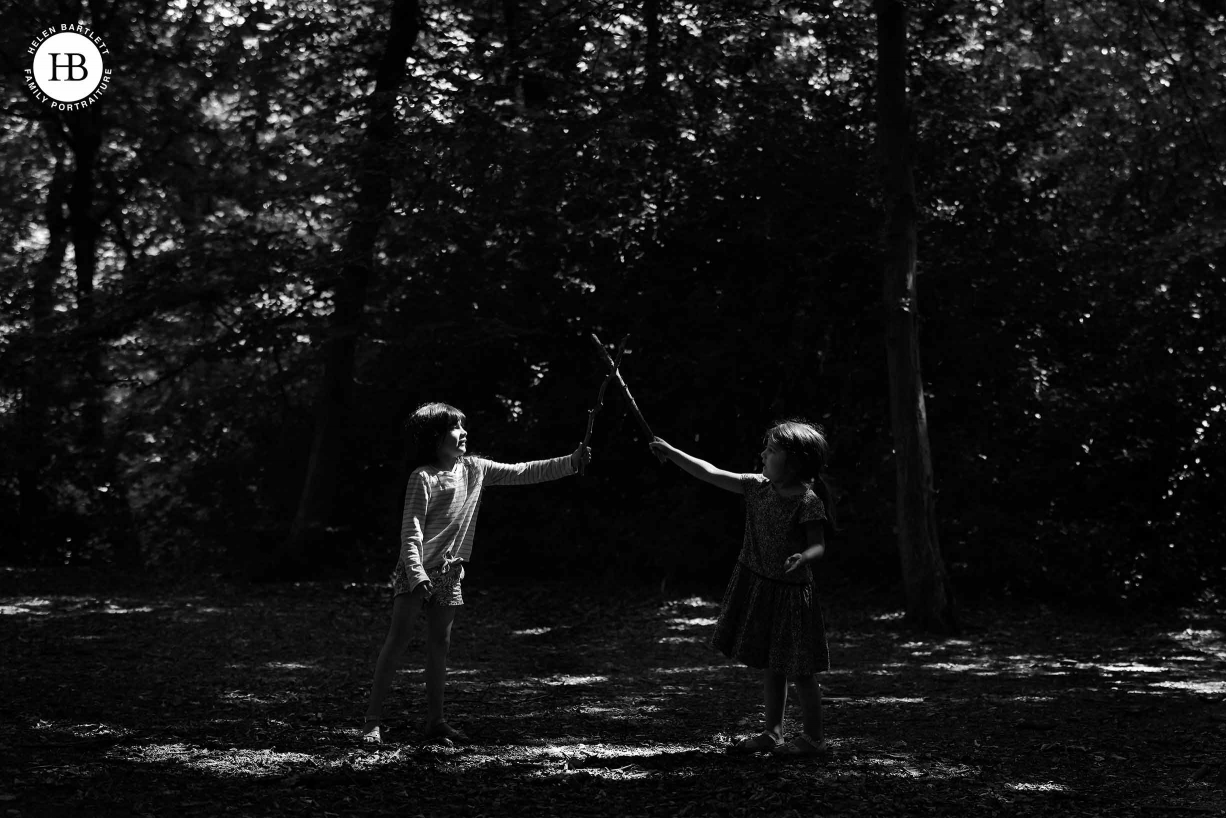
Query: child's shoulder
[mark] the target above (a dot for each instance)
(813, 501)
(751, 481)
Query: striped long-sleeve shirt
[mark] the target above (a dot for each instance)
(440, 508)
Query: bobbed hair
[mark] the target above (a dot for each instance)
(807, 452)
(424, 430)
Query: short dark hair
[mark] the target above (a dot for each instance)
(425, 428)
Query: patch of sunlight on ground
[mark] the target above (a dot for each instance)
(558, 679)
(290, 666)
(247, 698)
(981, 664)
(895, 700)
(674, 671)
(587, 752)
(1204, 641)
(694, 622)
(1044, 787)
(895, 767)
(608, 761)
(112, 608)
(87, 730)
(34, 606)
(690, 602)
(236, 762)
(563, 679)
(531, 632)
(414, 667)
(1195, 687)
(679, 640)
(25, 606)
(890, 616)
(1131, 668)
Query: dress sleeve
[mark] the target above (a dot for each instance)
(751, 480)
(811, 508)
(522, 474)
(413, 528)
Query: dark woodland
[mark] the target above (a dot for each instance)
(984, 245)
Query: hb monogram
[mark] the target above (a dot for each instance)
(71, 66)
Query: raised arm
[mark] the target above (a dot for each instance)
(726, 480)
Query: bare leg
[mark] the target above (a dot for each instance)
(810, 693)
(438, 642)
(775, 694)
(404, 611)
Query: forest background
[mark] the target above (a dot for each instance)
(176, 267)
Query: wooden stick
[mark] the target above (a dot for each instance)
(621, 384)
(591, 413)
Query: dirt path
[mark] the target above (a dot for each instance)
(590, 701)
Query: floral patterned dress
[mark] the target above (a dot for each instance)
(770, 619)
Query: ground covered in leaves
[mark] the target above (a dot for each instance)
(587, 701)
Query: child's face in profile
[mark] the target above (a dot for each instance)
(774, 463)
(454, 443)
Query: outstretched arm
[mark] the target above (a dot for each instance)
(535, 471)
(729, 481)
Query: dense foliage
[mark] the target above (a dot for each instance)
(704, 180)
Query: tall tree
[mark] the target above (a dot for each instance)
(929, 599)
(34, 447)
(373, 194)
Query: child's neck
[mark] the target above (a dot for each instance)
(788, 487)
(447, 463)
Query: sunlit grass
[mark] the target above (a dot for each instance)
(232, 762)
(961, 667)
(1203, 687)
(112, 608)
(685, 671)
(29, 607)
(680, 623)
(74, 604)
(689, 602)
(1047, 786)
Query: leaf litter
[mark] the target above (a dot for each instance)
(592, 701)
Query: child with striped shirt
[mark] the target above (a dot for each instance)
(436, 537)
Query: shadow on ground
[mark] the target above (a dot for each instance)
(590, 701)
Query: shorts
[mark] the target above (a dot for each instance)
(444, 580)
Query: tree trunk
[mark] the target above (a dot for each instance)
(112, 518)
(374, 192)
(929, 598)
(85, 139)
(34, 448)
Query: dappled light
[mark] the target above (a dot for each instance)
(999, 718)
